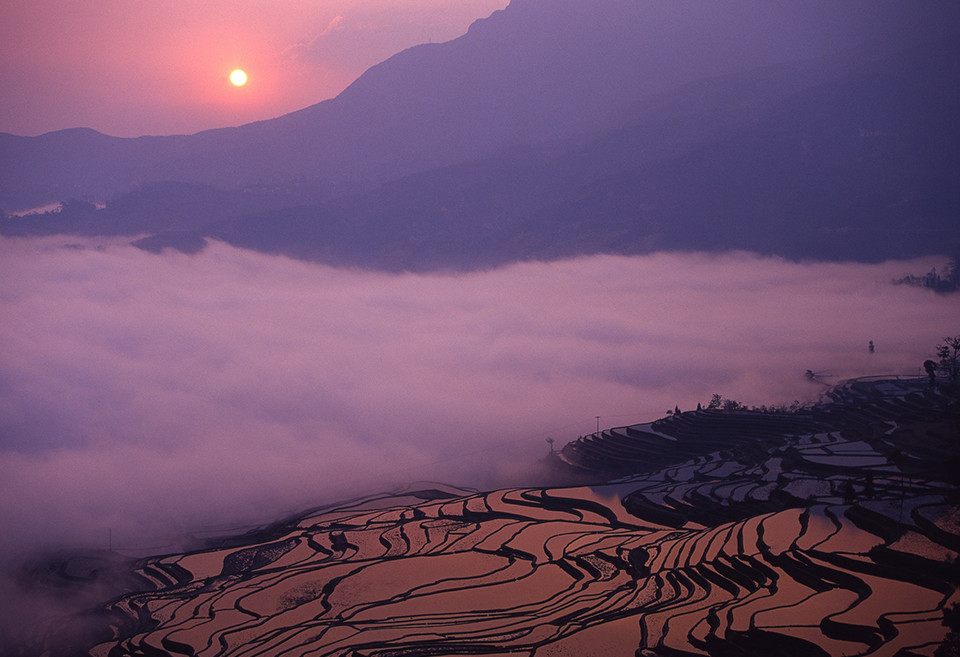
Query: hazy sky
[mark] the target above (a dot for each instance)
(131, 68)
(152, 394)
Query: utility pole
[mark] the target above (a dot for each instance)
(598, 425)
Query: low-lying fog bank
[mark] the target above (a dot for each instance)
(144, 396)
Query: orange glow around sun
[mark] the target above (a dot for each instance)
(238, 78)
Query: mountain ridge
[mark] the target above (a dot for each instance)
(729, 174)
(512, 142)
(580, 61)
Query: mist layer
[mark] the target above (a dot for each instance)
(146, 396)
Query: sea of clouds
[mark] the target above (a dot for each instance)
(143, 397)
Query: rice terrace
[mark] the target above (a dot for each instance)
(831, 529)
(519, 328)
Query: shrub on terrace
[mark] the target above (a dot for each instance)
(948, 354)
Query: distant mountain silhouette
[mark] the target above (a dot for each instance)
(806, 128)
(783, 160)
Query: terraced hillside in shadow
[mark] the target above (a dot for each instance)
(831, 531)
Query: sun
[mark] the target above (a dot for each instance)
(238, 78)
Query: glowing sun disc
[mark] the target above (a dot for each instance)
(238, 78)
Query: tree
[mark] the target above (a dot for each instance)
(944, 281)
(951, 644)
(949, 355)
(931, 367)
(953, 269)
(720, 402)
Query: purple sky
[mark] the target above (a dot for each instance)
(134, 68)
(142, 396)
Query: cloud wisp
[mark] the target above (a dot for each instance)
(144, 396)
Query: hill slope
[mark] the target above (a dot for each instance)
(788, 160)
(551, 130)
(831, 531)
